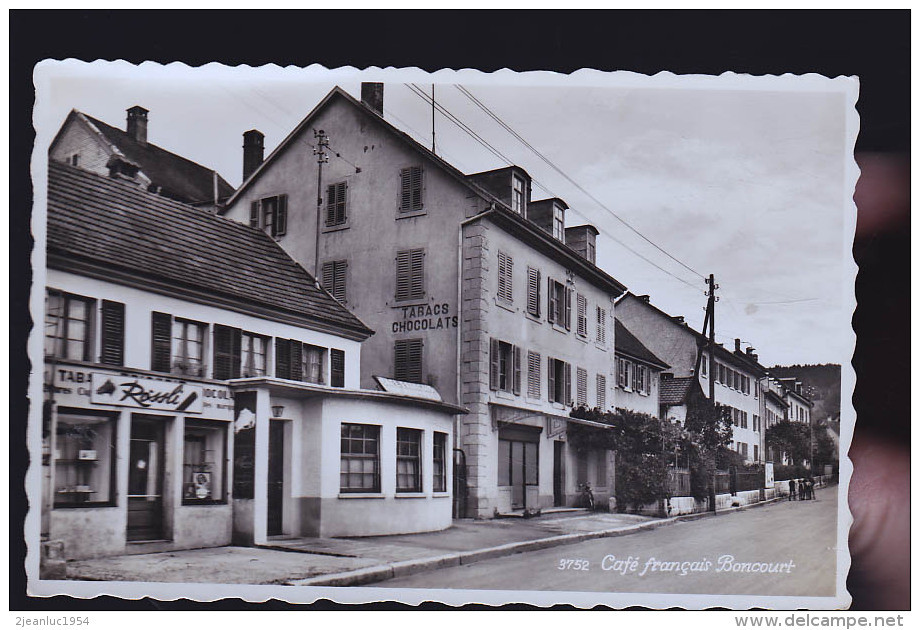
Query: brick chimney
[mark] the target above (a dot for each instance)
(137, 124)
(372, 96)
(737, 345)
(253, 151)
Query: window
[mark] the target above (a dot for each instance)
(84, 457)
(299, 361)
(601, 325)
(592, 251)
(756, 453)
(559, 308)
(408, 460)
(518, 198)
(360, 463)
(112, 346)
(756, 422)
(410, 274)
(313, 364)
(601, 392)
(640, 379)
(624, 372)
(410, 189)
(582, 327)
(75, 159)
(269, 215)
(581, 387)
(68, 326)
(178, 345)
(227, 351)
(505, 275)
(254, 355)
(334, 278)
(533, 291)
(533, 374)
(559, 377)
(335, 204)
(203, 462)
(337, 367)
(744, 449)
(505, 373)
(744, 419)
(408, 360)
(704, 362)
(558, 222)
(439, 462)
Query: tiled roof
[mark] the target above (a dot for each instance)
(626, 343)
(180, 178)
(674, 391)
(101, 220)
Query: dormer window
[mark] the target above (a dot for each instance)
(518, 198)
(558, 222)
(269, 215)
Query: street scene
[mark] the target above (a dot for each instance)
(357, 354)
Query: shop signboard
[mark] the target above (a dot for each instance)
(145, 393)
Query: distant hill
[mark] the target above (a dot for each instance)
(821, 383)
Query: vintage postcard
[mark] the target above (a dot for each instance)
(455, 337)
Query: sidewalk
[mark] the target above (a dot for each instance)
(355, 561)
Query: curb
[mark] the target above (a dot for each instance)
(390, 570)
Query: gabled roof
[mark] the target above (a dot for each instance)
(626, 344)
(500, 211)
(97, 220)
(178, 178)
(675, 391)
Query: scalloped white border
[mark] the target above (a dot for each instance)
(48, 70)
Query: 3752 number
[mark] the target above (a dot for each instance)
(573, 564)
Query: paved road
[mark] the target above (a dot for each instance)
(795, 539)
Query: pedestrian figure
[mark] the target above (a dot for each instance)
(792, 489)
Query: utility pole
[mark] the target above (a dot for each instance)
(710, 324)
(322, 143)
(432, 118)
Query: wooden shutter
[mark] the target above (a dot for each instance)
(161, 346)
(494, 356)
(418, 273)
(581, 384)
(551, 378)
(505, 272)
(227, 350)
(568, 308)
(516, 360)
(296, 361)
(336, 213)
(280, 225)
(112, 351)
(282, 358)
(337, 367)
(410, 189)
(533, 374)
(582, 315)
(254, 214)
(567, 368)
(533, 291)
(601, 392)
(550, 300)
(330, 205)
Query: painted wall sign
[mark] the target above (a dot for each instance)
(768, 475)
(425, 317)
(146, 393)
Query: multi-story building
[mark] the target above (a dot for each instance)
(775, 409)
(473, 287)
(96, 146)
(638, 374)
(201, 389)
(736, 374)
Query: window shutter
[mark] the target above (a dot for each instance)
(402, 275)
(516, 358)
(582, 386)
(282, 358)
(494, 361)
(567, 368)
(568, 308)
(405, 190)
(330, 205)
(296, 361)
(161, 347)
(418, 274)
(112, 351)
(582, 315)
(601, 392)
(533, 374)
(337, 366)
(227, 345)
(281, 216)
(254, 214)
(410, 189)
(329, 275)
(550, 301)
(410, 274)
(551, 378)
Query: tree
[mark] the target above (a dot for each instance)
(791, 438)
(710, 430)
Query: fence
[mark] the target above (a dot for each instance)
(679, 482)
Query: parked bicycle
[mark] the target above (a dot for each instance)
(587, 496)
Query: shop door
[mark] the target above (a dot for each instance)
(145, 479)
(558, 473)
(275, 478)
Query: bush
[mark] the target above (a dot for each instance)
(785, 473)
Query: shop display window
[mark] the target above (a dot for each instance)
(203, 462)
(84, 457)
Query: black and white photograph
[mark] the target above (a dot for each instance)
(391, 335)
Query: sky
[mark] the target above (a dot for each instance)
(747, 178)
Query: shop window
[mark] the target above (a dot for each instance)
(269, 215)
(505, 373)
(410, 274)
(505, 275)
(337, 368)
(559, 377)
(335, 204)
(408, 360)
(254, 355)
(559, 307)
(360, 463)
(68, 326)
(334, 275)
(84, 456)
(410, 189)
(601, 392)
(408, 460)
(178, 345)
(203, 462)
(533, 374)
(581, 387)
(533, 291)
(582, 328)
(439, 462)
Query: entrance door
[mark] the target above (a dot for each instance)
(275, 478)
(145, 479)
(558, 473)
